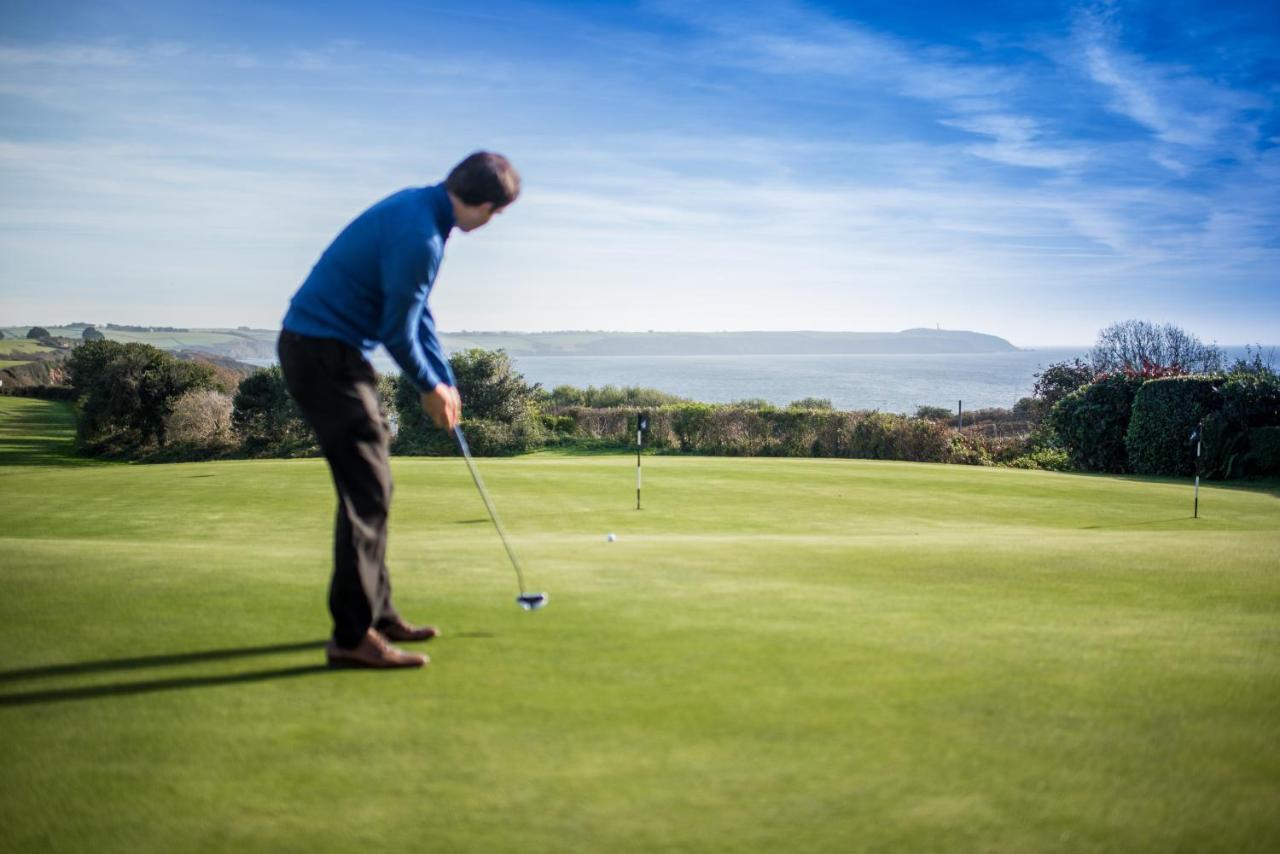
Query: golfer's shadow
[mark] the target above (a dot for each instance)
(115, 665)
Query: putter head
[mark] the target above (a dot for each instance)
(532, 601)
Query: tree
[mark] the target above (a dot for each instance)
(490, 386)
(127, 391)
(265, 415)
(37, 332)
(201, 418)
(91, 334)
(498, 409)
(1060, 379)
(1150, 349)
(88, 362)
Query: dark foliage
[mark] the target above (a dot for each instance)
(1090, 423)
(266, 418)
(1165, 414)
(1264, 454)
(126, 391)
(1059, 379)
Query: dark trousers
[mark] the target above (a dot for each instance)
(337, 391)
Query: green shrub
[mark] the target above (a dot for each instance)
(1058, 380)
(267, 419)
(934, 413)
(1222, 447)
(1264, 450)
(609, 396)
(921, 441)
(489, 438)
(1165, 414)
(126, 393)
(1090, 424)
(1048, 459)
(563, 425)
(872, 437)
(490, 386)
(498, 415)
(1251, 400)
(811, 403)
(965, 450)
(689, 423)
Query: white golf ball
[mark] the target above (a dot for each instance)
(611, 537)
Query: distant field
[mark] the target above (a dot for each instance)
(14, 346)
(776, 655)
(230, 342)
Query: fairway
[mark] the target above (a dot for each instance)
(775, 654)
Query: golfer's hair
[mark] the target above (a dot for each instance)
(484, 177)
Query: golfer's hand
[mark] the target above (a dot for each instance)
(443, 405)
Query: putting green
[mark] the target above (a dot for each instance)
(796, 655)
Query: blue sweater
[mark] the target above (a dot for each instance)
(371, 285)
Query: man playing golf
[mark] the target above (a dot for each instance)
(369, 287)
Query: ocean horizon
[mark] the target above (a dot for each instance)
(888, 383)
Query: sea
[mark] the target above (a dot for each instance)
(889, 383)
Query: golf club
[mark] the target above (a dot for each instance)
(528, 601)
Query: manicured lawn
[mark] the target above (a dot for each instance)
(776, 655)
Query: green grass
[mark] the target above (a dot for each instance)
(787, 655)
(10, 347)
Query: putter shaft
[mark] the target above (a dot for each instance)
(488, 503)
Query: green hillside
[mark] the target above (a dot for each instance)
(260, 343)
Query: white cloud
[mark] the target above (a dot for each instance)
(82, 55)
(1197, 118)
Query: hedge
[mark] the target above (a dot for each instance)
(1264, 454)
(1090, 423)
(1165, 414)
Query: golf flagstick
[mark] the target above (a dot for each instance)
(1197, 435)
(642, 427)
(528, 601)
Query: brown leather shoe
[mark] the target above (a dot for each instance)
(400, 631)
(372, 651)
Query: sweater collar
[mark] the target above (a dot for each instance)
(442, 209)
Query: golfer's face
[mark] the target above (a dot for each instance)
(478, 216)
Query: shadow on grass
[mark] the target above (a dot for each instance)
(586, 450)
(144, 661)
(111, 665)
(151, 686)
(1186, 518)
(39, 433)
(1265, 485)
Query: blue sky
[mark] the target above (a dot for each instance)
(1034, 170)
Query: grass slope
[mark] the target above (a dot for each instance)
(803, 655)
